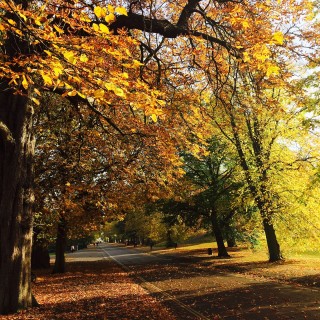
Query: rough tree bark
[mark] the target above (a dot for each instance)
(16, 200)
(16, 186)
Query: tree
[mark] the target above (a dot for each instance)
(259, 135)
(213, 173)
(139, 226)
(68, 47)
(37, 52)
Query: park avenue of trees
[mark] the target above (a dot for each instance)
(187, 114)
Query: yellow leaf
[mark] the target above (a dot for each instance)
(57, 71)
(272, 70)
(72, 93)
(110, 86)
(278, 38)
(67, 86)
(246, 57)
(59, 30)
(136, 63)
(98, 12)
(36, 101)
(69, 56)
(104, 28)
(25, 82)
(68, 184)
(19, 32)
(162, 102)
(99, 93)
(12, 22)
(38, 22)
(22, 16)
(81, 95)
(95, 27)
(121, 10)
(84, 58)
(47, 80)
(109, 18)
(110, 8)
(125, 75)
(48, 53)
(119, 92)
(245, 24)
(37, 92)
(154, 117)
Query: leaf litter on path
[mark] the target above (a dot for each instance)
(91, 290)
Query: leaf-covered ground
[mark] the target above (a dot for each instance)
(102, 290)
(91, 290)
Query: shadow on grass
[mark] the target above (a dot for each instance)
(182, 265)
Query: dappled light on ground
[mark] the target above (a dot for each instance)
(91, 290)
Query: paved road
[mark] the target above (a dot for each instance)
(194, 291)
(90, 254)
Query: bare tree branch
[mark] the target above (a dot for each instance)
(164, 27)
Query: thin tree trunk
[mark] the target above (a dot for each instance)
(16, 200)
(61, 241)
(222, 250)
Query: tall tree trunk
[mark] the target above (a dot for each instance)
(222, 250)
(61, 242)
(273, 245)
(16, 200)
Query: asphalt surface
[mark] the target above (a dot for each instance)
(193, 290)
